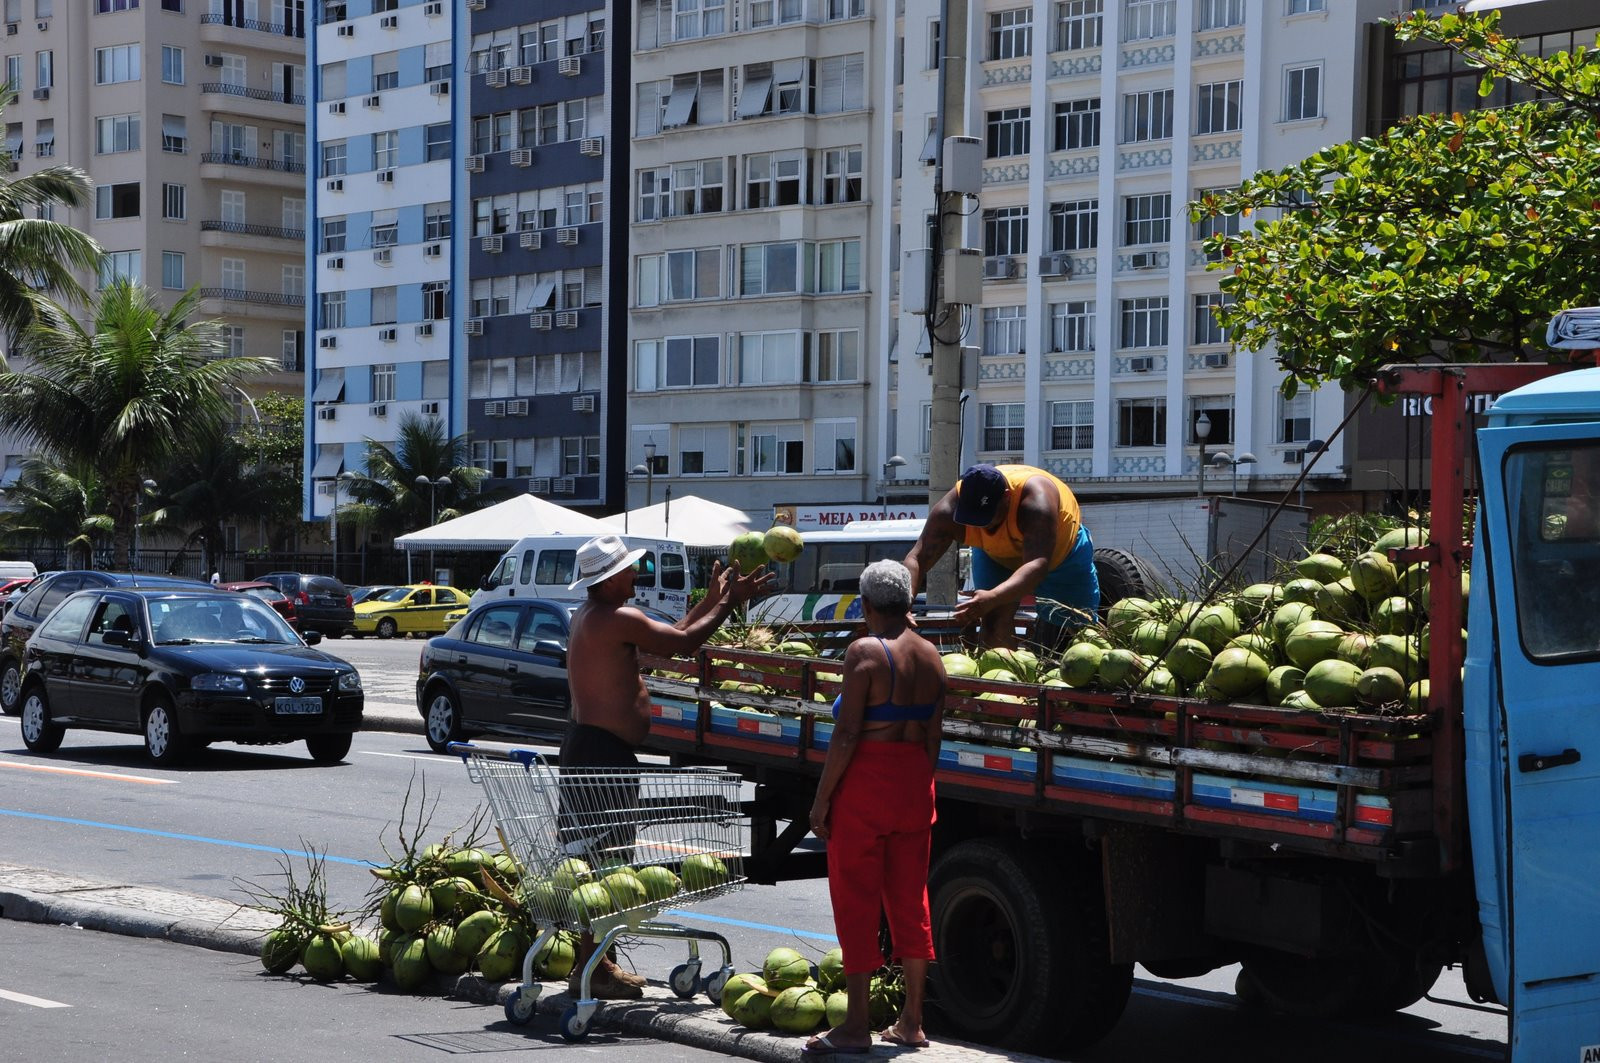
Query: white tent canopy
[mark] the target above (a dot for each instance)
(499, 526)
(690, 519)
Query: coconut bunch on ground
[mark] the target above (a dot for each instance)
(790, 996)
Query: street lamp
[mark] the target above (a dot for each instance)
(889, 468)
(138, 497)
(433, 510)
(1202, 432)
(637, 470)
(1307, 457)
(1222, 459)
(649, 471)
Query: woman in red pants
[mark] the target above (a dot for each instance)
(874, 806)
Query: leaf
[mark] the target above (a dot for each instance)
(1486, 85)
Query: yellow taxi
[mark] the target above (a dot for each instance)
(419, 609)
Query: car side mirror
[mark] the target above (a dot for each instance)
(117, 638)
(551, 648)
(487, 583)
(311, 638)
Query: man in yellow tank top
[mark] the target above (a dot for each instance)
(1027, 538)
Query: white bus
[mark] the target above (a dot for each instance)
(824, 581)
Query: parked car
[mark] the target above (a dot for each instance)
(322, 602)
(269, 594)
(502, 670)
(361, 594)
(11, 587)
(419, 609)
(42, 596)
(185, 668)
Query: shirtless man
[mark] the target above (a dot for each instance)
(610, 706)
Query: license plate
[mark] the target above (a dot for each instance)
(297, 706)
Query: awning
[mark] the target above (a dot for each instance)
(174, 125)
(329, 464)
(10, 476)
(541, 295)
(930, 147)
(679, 106)
(329, 388)
(753, 97)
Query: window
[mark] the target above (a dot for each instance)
(1005, 231)
(1144, 20)
(769, 269)
(118, 132)
(435, 300)
(1005, 330)
(1071, 425)
(292, 213)
(773, 179)
(235, 72)
(384, 148)
(841, 175)
(171, 64)
(490, 133)
(44, 137)
(292, 280)
(333, 235)
(1077, 124)
(105, 7)
(838, 267)
(233, 340)
(172, 270)
(119, 265)
(116, 64)
(840, 86)
(774, 12)
(1302, 92)
(777, 450)
(117, 201)
(174, 202)
(837, 360)
(1218, 409)
(1011, 33)
(333, 158)
(701, 452)
(330, 312)
(1142, 422)
(1147, 116)
(1078, 25)
(682, 189)
(385, 304)
(385, 71)
(1306, 7)
(438, 142)
(45, 69)
(1008, 132)
(1220, 107)
(1072, 326)
(1216, 14)
(935, 44)
(174, 133)
(436, 222)
(233, 206)
(679, 362)
(697, 18)
(385, 231)
(335, 81)
(14, 73)
(1220, 225)
(838, 10)
(491, 296)
(679, 276)
(292, 349)
(834, 445)
(44, 8)
(1294, 418)
(1147, 219)
(1144, 322)
(1207, 329)
(383, 382)
(1075, 225)
(233, 274)
(769, 358)
(1002, 425)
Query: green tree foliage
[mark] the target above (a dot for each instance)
(388, 498)
(57, 509)
(273, 449)
(1454, 236)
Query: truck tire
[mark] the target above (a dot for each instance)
(1123, 575)
(1023, 950)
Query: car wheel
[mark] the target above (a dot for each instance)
(163, 742)
(443, 720)
(38, 733)
(329, 748)
(10, 686)
(387, 628)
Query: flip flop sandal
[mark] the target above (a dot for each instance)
(825, 1047)
(895, 1039)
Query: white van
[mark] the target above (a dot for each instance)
(541, 566)
(18, 570)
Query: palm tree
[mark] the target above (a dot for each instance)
(213, 480)
(388, 498)
(121, 394)
(62, 507)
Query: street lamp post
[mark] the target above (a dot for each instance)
(637, 470)
(649, 471)
(433, 511)
(1222, 459)
(889, 468)
(1202, 432)
(138, 497)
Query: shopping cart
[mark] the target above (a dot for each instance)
(604, 850)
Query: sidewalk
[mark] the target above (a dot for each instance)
(38, 896)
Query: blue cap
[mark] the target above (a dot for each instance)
(979, 495)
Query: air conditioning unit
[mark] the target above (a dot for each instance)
(1000, 267)
(1143, 260)
(346, 29)
(1293, 457)
(517, 408)
(385, 177)
(473, 327)
(328, 343)
(539, 485)
(1058, 264)
(494, 408)
(41, 94)
(543, 322)
(335, 184)
(522, 157)
(592, 146)
(567, 236)
(564, 485)
(493, 244)
(477, 5)
(1218, 360)
(495, 79)
(433, 8)
(521, 75)
(336, 107)
(432, 250)
(212, 59)
(532, 239)
(583, 403)
(388, 335)
(570, 66)
(11, 29)
(335, 262)
(379, 409)
(567, 319)
(328, 413)
(439, 88)
(474, 163)
(1142, 364)
(372, 101)
(430, 409)
(424, 330)
(390, 22)
(383, 255)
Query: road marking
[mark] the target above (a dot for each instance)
(430, 759)
(87, 773)
(185, 837)
(38, 1002)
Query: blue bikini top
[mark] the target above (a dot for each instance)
(891, 711)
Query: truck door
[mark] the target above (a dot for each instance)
(1541, 516)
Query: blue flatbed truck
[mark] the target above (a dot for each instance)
(1342, 859)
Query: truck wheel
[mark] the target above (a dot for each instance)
(1123, 575)
(1330, 987)
(1022, 949)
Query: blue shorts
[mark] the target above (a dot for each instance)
(1070, 592)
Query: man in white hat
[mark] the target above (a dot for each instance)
(610, 706)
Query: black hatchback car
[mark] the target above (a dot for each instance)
(36, 603)
(185, 669)
(321, 602)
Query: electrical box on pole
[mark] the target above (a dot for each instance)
(916, 281)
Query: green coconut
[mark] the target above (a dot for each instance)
(1150, 637)
(569, 873)
(501, 955)
(830, 970)
(1214, 625)
(1313, 641)
(411, 969)
(753, 1010)
(838, 1008)
(798, 1009)
(736, 987)
(1301, 590)
(321, 957)
(1380, 686)
(1257, 600)
(702, 871)
(1300, 700)
(749, 551)
(280, 950)
(1235, 674)
(1160, 682)
(1355, 648)
(1119, 667)
(1394, 616)
(1125, 615)
(1332, 683)
(474, 930)
(1373, 576)
(784, 967)
(442, 953)
(361, 959)
(414, 909)
(1324, 568)
(1339, 601)
(1080, 663)
(659, 883)
(1283, 681)
(1189, 660)
(1289, 616)
(557, 956)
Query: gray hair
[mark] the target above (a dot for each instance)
(886, 586)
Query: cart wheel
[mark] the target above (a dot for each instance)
(574, 1027)
(715, 982)
(685, 980)
(519, 1007)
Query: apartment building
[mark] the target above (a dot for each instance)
(382, 259)
(189, 116)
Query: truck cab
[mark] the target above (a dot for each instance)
(541, 566)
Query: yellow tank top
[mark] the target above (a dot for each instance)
(1004, 545)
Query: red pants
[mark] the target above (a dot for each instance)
(881, 820)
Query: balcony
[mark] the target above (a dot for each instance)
(281, 173)
(277, 36)
(238, 302)
(253, 103)
(247, 237)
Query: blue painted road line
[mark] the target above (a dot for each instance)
(690, 916)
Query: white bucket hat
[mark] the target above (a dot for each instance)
(601, 558)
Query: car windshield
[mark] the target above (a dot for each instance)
(267, 594)
(223, 618)
(393, 594)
